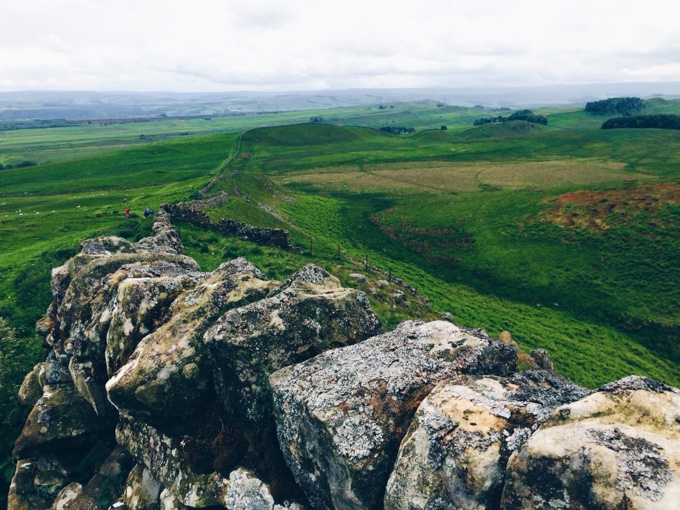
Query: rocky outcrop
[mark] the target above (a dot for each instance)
(165, 387)
(618, 448)
(342, 415)
(463, 433)
(309, 314)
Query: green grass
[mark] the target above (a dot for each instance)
(489, 242)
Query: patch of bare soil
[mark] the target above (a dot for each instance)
(595, 210)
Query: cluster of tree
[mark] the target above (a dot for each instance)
(21, 164)
(616, 106)
(644, 121)
(526, 115)
(315, 120)
(489, 120)
(398, 130)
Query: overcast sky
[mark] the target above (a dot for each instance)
(276, 45)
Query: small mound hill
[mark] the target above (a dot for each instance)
(517, 128)
(308, 134)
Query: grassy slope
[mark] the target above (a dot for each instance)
(568, 290)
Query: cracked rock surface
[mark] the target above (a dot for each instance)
(459, 441)
(616, 448)
(342, 414)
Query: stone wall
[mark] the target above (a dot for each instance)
(192, 212)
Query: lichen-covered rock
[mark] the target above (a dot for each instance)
(170, 370)
(31, 389)
(48, 483)
(22, 494)
(72, 497)
(85, 314)
(167, 501)
(140, 307)
(307, 314)
(60, 419)
(38, 481)
(457, 446)
(618, 448)
(84, 292)
(243, 491)
(166, 459)
(542, 359)
(164, 237)
(340, 416)
(142, 491)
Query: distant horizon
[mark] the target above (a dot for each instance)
(42, 104)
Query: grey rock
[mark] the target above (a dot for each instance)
(307, 314)
(48, 483)
(165, 458)
(243, 491)
(340, 416)
(455, 451)
(617, 448)
(542, 359)
(399, 298)
(169, 370)
(60, 419)
(31, 388)
(358, 277)
(142, 491)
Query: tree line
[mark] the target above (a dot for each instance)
(660, 121)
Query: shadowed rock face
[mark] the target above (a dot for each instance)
(164, 387)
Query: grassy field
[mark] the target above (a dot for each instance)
(567, 236)
(476, 212)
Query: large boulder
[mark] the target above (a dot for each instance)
(142, 304)
(169, 370)
(308, 314)
(60, 419)
(341, 415)
(87, 308)
(85, 296)
(455, 451)
(618, 448)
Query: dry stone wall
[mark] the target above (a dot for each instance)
(192, 212)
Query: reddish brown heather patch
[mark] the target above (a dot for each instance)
(595, 210)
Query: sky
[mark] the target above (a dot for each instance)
(286, 45)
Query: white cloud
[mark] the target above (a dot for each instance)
(305, 44)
